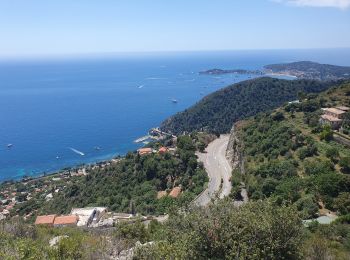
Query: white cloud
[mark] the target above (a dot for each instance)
(342, 4)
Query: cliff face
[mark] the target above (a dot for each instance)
(234, 152)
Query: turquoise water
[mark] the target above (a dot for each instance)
(50, 106)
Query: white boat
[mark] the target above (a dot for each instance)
(9, 145)
(77, 151)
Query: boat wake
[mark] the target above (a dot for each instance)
(76, 151)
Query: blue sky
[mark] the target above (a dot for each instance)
(45, 27)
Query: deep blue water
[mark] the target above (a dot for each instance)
(50, 105)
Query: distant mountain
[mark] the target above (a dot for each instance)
(219, 110)
(310, 70)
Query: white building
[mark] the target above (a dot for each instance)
(88, 216)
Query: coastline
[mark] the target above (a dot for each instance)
(274, 74)
(153, 134)
(75, 168)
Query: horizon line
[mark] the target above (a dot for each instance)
(44, 56)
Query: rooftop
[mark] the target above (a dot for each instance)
(334, 111)
(45, 220)
(175, 192)
(163, 150)
(331, 118)
(66, 220)
(344, 108)
(144, 151)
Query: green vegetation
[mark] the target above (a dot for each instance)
(291, 159)
(217, 112)
(22, 241)
(254, 231)
(130, 184)
(257, 230)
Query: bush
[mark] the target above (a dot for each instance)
(345, 164)
(342, 203)
(308, 206)
(332, 153)
(254, 231)
(326, 134)
(316, 166)
(307, 151)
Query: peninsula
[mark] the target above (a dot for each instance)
(300, 70)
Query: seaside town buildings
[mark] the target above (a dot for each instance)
(46, 187)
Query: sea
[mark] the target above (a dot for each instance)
(56, 111)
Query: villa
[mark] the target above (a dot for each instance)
(334, 116)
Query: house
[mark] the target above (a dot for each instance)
(88, 216)
(334, 122)
(175, 192)
(334, 116)
(162, 150)
(63, 221)
(45, 220)
(334, 112)
(144, 151)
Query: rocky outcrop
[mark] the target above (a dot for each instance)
(129, 253)
(233, 152)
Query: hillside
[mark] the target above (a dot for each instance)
(217, 112)
(123, 185)
(291, 159)
(310, 70)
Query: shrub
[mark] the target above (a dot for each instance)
(254, 231)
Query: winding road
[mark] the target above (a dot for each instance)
(219, 171)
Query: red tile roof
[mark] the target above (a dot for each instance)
(163, 150)
(45, 220)
(66, 220)
(175, 192)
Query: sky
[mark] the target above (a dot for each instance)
(59, 27)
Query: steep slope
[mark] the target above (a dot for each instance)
(291, 158)
(217, 112)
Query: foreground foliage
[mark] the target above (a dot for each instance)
(257, 230)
